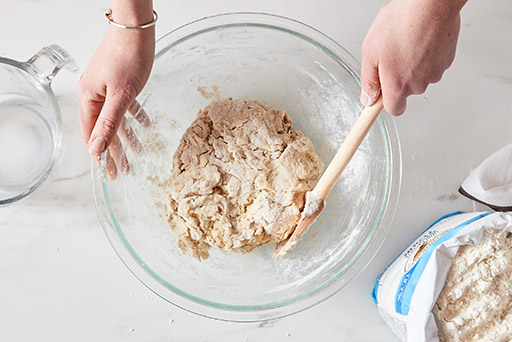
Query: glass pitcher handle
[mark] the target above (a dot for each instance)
(49, 61)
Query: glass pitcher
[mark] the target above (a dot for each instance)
(30, 122)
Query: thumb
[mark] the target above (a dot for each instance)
(370, 82)
(109, 120)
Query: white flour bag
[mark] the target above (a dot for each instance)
(407, 291)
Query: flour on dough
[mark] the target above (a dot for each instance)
(239, 178)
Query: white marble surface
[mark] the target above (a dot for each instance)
(60, 280)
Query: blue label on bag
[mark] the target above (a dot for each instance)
(410, 279)
(376, 289)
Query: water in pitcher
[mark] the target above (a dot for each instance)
(26, 145)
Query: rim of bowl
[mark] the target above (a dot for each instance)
(290, 306)
(57, 154)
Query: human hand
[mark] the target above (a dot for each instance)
(408, 46)
(115, 76)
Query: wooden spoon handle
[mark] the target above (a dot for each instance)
(347, 149)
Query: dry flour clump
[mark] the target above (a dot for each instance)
(476, 301)
(239, 178)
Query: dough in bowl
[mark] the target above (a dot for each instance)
(239, 178)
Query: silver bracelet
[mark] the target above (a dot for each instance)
(108, 17)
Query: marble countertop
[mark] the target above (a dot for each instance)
(60, 280)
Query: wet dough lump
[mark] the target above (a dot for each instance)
(239, 178)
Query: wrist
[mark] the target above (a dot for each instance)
(132, 12)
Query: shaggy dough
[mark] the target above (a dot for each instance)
(239, 178)
(476, 301)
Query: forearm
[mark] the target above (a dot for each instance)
(132, 12)
(445, 6)
(454, 4)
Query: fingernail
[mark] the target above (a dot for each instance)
(364, 98)
(98, 145)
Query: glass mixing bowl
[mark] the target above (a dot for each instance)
(289, 66)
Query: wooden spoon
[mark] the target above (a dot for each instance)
(315, 198)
